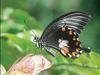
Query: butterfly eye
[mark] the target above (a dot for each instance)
(35, 39)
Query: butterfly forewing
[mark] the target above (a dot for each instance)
(75, 20)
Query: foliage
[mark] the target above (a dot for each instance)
(16, 42)
(18, 29)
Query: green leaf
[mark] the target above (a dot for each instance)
(2, 70)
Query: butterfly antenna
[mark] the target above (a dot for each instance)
(35, 38)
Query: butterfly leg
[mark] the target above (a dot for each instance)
(53, 53)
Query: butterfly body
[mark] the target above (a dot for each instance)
(63, 34)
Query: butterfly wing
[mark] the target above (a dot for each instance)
(76, 20)
(73, 20)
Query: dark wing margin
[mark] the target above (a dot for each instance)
(75, 20)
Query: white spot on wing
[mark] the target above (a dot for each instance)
(81, 51)
(59, 40)
(77, 39)
(77, 55)
(61, 46)
(62, 43)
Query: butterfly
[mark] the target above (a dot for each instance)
(63, 35)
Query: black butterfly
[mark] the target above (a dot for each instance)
(63, 34)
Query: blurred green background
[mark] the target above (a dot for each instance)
(20, 17)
